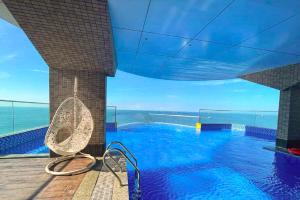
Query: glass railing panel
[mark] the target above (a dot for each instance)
(227, 117)
(182, 118)
(30, 115)
(6, 118)
(111, 114)
(263, 119)
(133, 116)
(18, 116)
(23, 126)
(266, 119)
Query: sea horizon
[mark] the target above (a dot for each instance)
(31, 117)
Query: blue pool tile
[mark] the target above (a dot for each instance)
(22, 142)
(111, 127)
(264, 133)
(31, 141)
(215, 127)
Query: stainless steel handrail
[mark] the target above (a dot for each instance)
(114, 173)
(124, 147)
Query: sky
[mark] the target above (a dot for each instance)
(24, 76)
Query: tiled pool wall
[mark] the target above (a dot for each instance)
(258, 132)
(32, 141)
(22, 142)
(216, 127)
(264, 133)
(111, 126)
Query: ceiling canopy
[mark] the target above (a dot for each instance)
(204, 39)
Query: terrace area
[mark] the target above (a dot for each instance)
(250, 153)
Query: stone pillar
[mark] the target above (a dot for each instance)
(287, 80)
(288, 131)
(91, 91)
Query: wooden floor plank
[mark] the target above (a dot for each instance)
(64, 187)
(20, 178)
(25, 178)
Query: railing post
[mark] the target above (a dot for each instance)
(13, 116)
(115, 114)
(255, 118)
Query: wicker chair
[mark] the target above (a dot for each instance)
(69, 133)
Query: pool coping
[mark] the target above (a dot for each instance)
(10, 156)
(280, 150)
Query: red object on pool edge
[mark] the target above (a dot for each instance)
(295, 151)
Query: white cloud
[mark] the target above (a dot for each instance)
(40, 71)
(219, 82)
(7, 57)
(4, 75)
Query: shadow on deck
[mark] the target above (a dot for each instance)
(25, 178)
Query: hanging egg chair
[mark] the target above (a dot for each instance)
(69, 133)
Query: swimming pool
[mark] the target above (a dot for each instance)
(177, 162)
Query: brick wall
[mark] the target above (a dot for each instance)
(289, 118)
(69, 34)
(279, 78)
(283, 114)
(294, 125)
(287, 80)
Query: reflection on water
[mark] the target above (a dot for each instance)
(177, 162)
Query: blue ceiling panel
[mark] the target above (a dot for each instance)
(148, 65)
(292, 47)
(240, 56)
(202, 49)
(280, 38)
(125, 60)
(272, 60)
(160, 44)
(126, 40)
(129, 14)
(183, 69)
(244, 19)
(204, 39)
(187, 69)
(182, 18)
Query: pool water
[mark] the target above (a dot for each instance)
(177, 162)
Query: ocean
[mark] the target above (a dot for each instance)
(22, 118)
(25, 117)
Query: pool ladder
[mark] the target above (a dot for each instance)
(123, 151)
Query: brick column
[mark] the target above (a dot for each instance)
(91, 91)
(287, 80)
(288, 132)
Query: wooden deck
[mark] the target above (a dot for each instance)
(25, 178)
